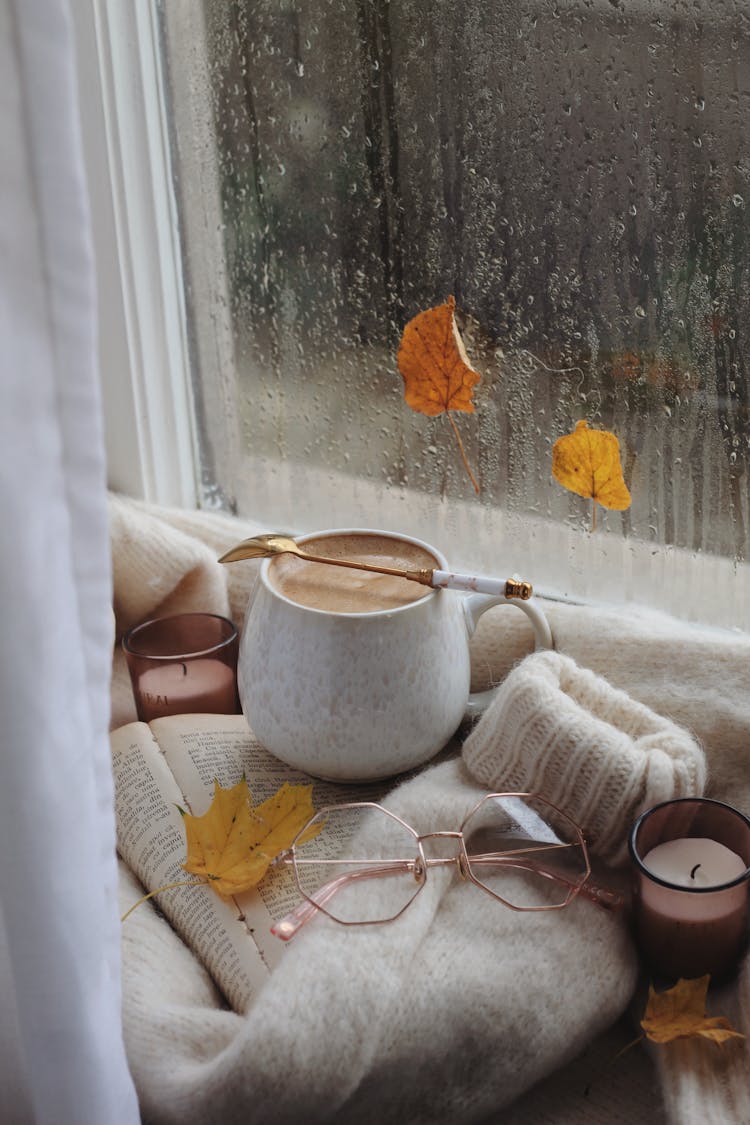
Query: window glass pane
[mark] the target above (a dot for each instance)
(577, 175)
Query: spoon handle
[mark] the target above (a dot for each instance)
(506, 588)
(422, 576)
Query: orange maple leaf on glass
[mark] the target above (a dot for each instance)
(680, 1013)
(438, 377)
(587, 462)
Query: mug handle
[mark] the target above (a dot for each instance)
(477, 604)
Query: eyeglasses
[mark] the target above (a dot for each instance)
(517, 847)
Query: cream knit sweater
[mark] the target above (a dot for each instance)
(462, 1011)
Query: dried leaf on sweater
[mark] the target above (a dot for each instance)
(587, 462)
(438, 376)
(234, 842)
(680, 1013)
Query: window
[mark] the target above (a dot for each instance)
(576, 174)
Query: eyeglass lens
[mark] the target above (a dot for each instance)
(543, 861)
(352, 880)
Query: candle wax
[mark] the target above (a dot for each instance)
(694, 862)
(190, 686)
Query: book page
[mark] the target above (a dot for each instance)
(151, 840)
(201, 748)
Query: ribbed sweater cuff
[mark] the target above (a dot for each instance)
(562, 731)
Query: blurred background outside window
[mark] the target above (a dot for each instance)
(576, 173)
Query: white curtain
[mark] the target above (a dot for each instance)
(61, 1054)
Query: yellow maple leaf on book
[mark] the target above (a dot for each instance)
(232, 845)
(234, 842)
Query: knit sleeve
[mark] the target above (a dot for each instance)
(564, 732)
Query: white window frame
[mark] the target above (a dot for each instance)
(149, 413)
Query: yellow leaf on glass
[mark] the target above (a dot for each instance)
(680, 1013)
(234, 842)
(587, 462)
(438, 377)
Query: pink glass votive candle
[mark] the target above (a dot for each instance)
(185, 663)
(691, 862)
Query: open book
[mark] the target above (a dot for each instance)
(173, 762)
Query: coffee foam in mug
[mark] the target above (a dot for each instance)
(337, 589)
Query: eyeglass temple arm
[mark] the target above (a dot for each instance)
(291, 923)
(594, 892)
(602, 896)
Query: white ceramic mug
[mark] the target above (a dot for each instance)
(360, 696)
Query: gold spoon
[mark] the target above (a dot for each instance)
(265, 546)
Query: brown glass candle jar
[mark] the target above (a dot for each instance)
(691, 862)
(183, 664)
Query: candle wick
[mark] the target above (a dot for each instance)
(184, 669)
(692, 873)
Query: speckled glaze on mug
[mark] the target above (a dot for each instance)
(361, 696)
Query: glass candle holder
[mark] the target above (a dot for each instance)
(185, 663)
(691, 862)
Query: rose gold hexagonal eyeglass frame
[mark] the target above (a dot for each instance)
(525, 858)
